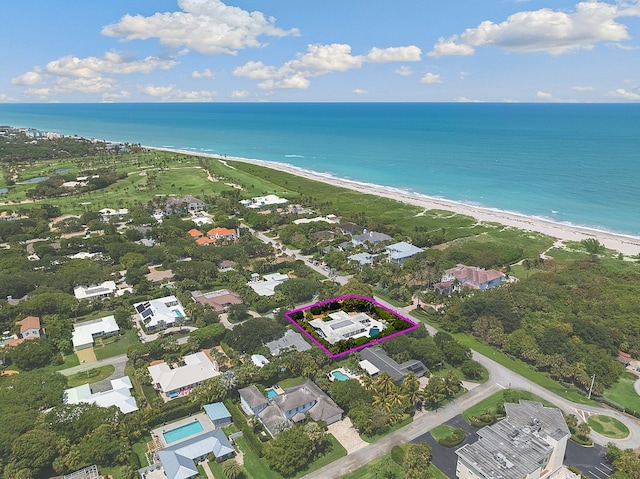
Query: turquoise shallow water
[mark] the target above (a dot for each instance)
(571, 163)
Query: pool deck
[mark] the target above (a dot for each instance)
(344, 371)
(202, 418)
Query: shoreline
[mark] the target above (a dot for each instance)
(628, 245)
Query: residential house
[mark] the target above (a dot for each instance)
(529, 443)
(107, 214)
(290, 340)
(218, 413)
(29, 327)
(186, 204)
(259, 360)
(97, 291)
(179, 460)
(226, 265)
(267, 286)
(180, 380)
(375, 359)
(348, 228)
(624, 358)
(262, 202)
(343, 326)
(370, 237)
(85, 333)
(195, 233)
(160, 313)
(400, 252)
(90, 472)
(291, 406)
(119, 395)
(324, 235)
(362, 258)
(218, 300)
(470, 277)
(222, 235)
(156, 275)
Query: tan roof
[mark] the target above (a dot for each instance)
(474, 274)
(30, 322)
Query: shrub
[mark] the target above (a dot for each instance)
(453, 439)
(397, 454)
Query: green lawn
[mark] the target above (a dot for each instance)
(115, 345)
(441, 431)
(401, 424)
(68, 362)
(385, 463)
(623, 392)
(91, 376)
(608, 426)
(490, 404)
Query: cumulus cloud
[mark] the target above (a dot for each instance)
(39, 93)
(360, 91)
(239, 94)
(30, 78)
(463, 75)
(582, 88)
(206, 73)
(115, 96)
(171, 93)
(431, 78)
(544, 30)
(318, 60)
(6, 98)
(110, 62)
(206, 26)
(404, 71)
(543, 95)
(624, 94)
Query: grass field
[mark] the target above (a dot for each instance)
(623, 392)
(91, 376)
(115, 345)
(490, 404)
(608, 426)
(441, 431)
(384, 464)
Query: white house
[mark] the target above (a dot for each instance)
(400, 252)
(267, 286)
(362, 258)
(343, 326)
(181, 380)
(119, 395)
(85, 333)
(102, 290)
(160, 313)
(109, 213)
(261, 202)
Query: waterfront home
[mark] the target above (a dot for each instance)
(469, 277)
(400, 252)
(180, 380)
(370, 237)
(262, 202)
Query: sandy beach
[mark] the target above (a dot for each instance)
(625, 244)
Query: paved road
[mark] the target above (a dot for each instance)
(117, 361)
(499, 378)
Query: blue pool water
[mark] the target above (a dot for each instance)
(178, 313)
(37, 179)
(181, 432)
(339, 375)
(271, 393)
(373, 331)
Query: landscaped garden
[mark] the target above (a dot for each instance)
(608, 426)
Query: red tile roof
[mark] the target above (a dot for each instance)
(194, 232)
(221, 232)
(30, 322)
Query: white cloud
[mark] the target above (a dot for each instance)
(404, 71)
(463, 75)
(206, 73)
(206, 26)
(543, 95)
(115, 96)
(625, 94)
(30, 78)
(171, 93)
(239, 94)
(464, 99)
(431, 78)
(582, 88)
(394, 54)
(318, 60)
(544, 30)
(39, 93)
(6, 98)
(111, 62)
(360, 91)
(96, 84)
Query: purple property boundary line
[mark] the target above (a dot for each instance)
(288, 314)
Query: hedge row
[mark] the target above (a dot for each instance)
(174, 409)
(240, 421)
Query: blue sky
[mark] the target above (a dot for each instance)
(333, 50)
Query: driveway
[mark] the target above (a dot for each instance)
(346, 435)
(116, 361)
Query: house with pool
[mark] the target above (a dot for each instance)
(174, 381)
(285, 407)
(160, 313)
(342, 326)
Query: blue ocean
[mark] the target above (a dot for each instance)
(570, 163)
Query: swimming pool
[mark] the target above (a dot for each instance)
(178, 313)
(271, 393)
(339, 375)
(183, 431)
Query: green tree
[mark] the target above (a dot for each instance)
(417, 459)
(290, 451)
(231, 469)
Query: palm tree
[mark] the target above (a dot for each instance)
(384, 384)
(451, 385)
(584, 430)
(231, 469)
(411, 386)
